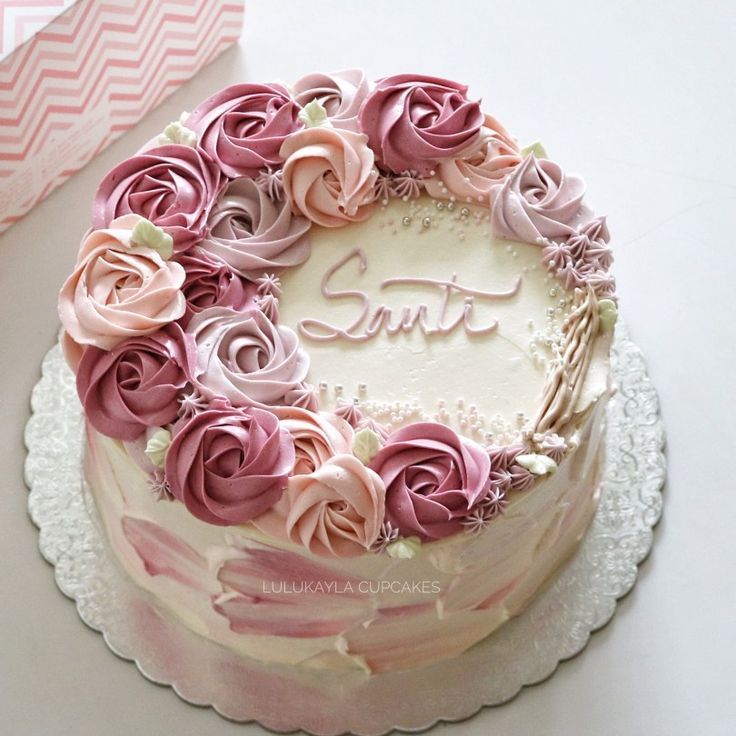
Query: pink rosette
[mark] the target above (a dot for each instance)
(245, 358)
(254, 234)
(243, 126)
(413, 122)
(432, 478)
(329, 175)
(340, 93)
(336, 511)
(119, 290)
(229, 465)
(317, 436)
(137, 384)
(173, 186)
(474, 172)
(210, 283)
(536, 201)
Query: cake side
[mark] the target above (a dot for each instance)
(274, 601)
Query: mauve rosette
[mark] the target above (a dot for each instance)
(254, 234)
(474, 172)
(137, 384)
(336, 511)
(432, 478)
(329, 175)
(317, 436)
(119, 290)
(210, 283)
(413, 122)
(340, 93)
(229, 465)
(245, 358)
(538, 200)
(243, 126)
(173, 186)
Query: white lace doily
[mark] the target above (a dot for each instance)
(524, 651)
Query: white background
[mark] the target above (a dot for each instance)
(639, 97)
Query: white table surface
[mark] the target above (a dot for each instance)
(639, 97)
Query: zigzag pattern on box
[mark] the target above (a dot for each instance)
(112, 60)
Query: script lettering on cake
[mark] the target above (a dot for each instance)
(371, 319)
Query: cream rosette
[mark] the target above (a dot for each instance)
(254, 234)
(245, 358)
(317, 436)
(118, 289)
(474, 172)
(329, 175)
(340, 93)
(336, 511)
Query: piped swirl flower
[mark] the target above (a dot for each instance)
(318, 436)
(209, 283)
(243, 126)
(229, 465)
(245, 358)
(329, 175)
(173, 186)
(137, 384)
(473, 173)
(536, 201)
(336, 511)
(254, 234)
(414, 121)
(432, 478)
(340, 93)
(119, 290)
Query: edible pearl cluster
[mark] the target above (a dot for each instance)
(433, 213)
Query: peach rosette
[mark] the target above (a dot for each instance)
(119, 289)
(317, 436)
(475, 171)
(329, 175)
(336, 511)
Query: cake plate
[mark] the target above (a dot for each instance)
(526, 650)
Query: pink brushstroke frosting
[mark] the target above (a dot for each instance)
(253, 233)
(432, 478)
(119, 290)
(229, 465)
(209, 282)
(245, 358)
(329, 175)
(413, 122)
(137, 384)
(340, 93)
(538, 200)
(243, 126)
(173, 186)
(336, 511)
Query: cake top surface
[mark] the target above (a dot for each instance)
(357, 315)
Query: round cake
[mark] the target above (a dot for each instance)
(343, 354)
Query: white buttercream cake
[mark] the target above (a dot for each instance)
(343, 353)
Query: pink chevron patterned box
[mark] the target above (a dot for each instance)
(75, 74)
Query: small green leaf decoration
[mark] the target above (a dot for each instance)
(536, 148)
(607, 314)
(157, 446)
(147, 234)
(537, 464)
(404, 548)
(176, 132)
(314, 115)
(366, 445)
